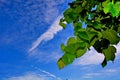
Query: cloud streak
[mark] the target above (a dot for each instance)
(30, 19)
(48, 35)
(103, 73)
(41, 75)
(48, 73)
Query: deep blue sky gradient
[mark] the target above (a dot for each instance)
(21, 23)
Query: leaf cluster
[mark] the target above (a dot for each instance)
(103, 27)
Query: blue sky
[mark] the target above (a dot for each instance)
(30, 39)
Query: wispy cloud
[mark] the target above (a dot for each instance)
(102, 73)
(43, 56)
(41, 75)
(30, 18)
(31, 76)
(49, 34)
(90, 57)
(91, 75)
(47, 73)
(111, 70)
(27, 76)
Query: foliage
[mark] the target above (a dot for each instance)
(103, 28)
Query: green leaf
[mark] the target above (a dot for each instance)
(71, 41)
(70, 15)
(104, 63)
(117, 5)
(60, 63)
(111, 35)
(77, 26)
(101, 44)
(118, 29)
(71, 48)
(78, 9)
(102, 30)
(84, 3)
(74, 47)
(114, 9)
(105, 5)
(63, 47)
(68, 58)
(83, 35)
(109, 53)
(92, 34)
(62, 23)
(81, 52)
(97, 25)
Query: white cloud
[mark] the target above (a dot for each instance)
(28, 76)
(49, 34)
(47, 73)
(111, 70)
(43, 56)
(42, 75)
(91, 75)
(93, 57)
(90, 57)
(103, 73)
(118, 49)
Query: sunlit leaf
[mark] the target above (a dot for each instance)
(114, 9)
(71, 41)
(63, 47)
(81, 52)
(60, 64)
(84, 3)
(68, 58)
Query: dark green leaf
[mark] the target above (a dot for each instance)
(111, 35)
(77, 26)
(92, 33)
(70, 15)
(62, 23)
(97, 25)
(104, 63)
(83, 35)
(109, 53)
(101, 44)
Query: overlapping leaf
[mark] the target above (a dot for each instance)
(102, 30)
